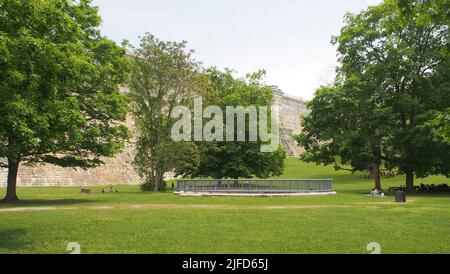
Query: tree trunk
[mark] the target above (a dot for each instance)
(156, 181)
(376, 173)
(13, 168)
(159, 180)
(410, 181)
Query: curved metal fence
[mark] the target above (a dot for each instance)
(255, 185)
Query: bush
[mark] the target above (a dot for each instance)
(150, 186)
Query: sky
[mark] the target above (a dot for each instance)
(289, 39)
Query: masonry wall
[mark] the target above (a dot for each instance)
(291, 110)
(115, 171)
(119, 170)
(3, 176)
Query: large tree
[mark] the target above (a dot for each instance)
(402, 46)
(400, 49)
(59, 79)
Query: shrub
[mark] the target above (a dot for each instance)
(150, 186)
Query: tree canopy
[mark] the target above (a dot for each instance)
(163, 76)
(59, 81)
(239, 159)
(393, 75)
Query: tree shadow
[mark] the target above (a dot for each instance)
(430, 194)
(12, 240)
(46, 202)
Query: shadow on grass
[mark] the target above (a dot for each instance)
(429, 195)
(12, 240)
(46, 202)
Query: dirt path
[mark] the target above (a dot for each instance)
(40, 208)
(194, 206)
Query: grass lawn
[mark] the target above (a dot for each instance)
(131, 221)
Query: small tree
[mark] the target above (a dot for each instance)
(59, 79)
(163, 75)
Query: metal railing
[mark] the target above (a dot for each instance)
(255, 185)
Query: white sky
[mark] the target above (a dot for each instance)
(290, 39)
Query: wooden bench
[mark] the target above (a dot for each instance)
(85, 191)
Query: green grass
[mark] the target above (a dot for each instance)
(131, 221)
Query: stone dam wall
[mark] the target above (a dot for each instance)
(119, 170)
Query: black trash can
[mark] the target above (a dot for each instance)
(400, 197)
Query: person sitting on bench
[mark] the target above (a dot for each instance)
(110, 190)
(376, 193)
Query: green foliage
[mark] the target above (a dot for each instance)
(440, 126)
(335, 131)
(186, 158)
(163, 75)
(239, 159)
(150, 186)
(393, 72)
(59, 80)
